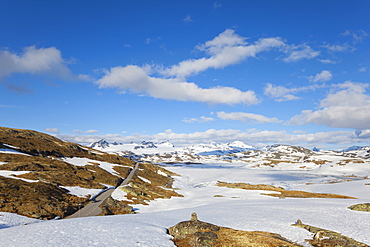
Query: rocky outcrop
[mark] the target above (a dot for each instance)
(196, 233)
(327, 238)
(37, 200)
(113, 207)
(361, 207)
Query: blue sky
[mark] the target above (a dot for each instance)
(262, 72)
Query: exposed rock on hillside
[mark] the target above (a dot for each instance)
(149, 183)
(195, 233)
(361, 207)
(37, 200)
(327, 238)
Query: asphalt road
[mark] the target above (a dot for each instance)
(92, 208)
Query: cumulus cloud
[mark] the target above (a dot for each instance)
(323, 76)
(202, 119)
(33, 61)
(258, 138)
(77, 131)
(137, 80)
(52, 130)
(246, 117)
(226, 49)
(300, 52)
(348, 106)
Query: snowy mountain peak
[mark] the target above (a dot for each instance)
(166, 144)
(287, 149)
(99, 144)
(145, 144)
(239, 144)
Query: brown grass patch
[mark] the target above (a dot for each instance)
(283, 192)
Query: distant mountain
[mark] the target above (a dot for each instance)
(145, 144)
(101, 144)
(353, 148)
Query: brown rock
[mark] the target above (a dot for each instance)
(196, 233)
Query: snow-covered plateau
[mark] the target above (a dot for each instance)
(344, 173)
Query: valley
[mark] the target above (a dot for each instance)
(233, 185)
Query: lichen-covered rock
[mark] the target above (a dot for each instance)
(361, 207)
(196, 233)
(327, 238)
(113, 207)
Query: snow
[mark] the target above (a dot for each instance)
(10, 220)
(235, 208)
(10, 151)
(119, 194)
(85, 161)
(12, 174)
(82, 192)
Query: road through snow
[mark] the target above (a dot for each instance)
(92, 208)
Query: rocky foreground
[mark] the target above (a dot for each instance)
(196, 233)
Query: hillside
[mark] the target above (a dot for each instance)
(44, 177)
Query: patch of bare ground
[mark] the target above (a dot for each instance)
(317, 162)
(58, 172)
(283, 193)
(327, 238)
(37, 200)
(361, 207)
(39, 144)
(150, 183)
(196, 233)
(347, 161)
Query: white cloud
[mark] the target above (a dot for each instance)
(357, 36)
(137, 80)
(323, 76)
(362, 69)
(202, 119)
(246, 117)
(52, 130)
(327, 61)
(91, 131)
(339, 48)
(226, 49)
(33, 61)
(253, 137)
(300, 52)
(36, 61)
(346, 107)
(188, 19)
(363, 134)
(77, 131)
(280, 93)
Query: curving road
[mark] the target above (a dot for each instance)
(92, 208)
